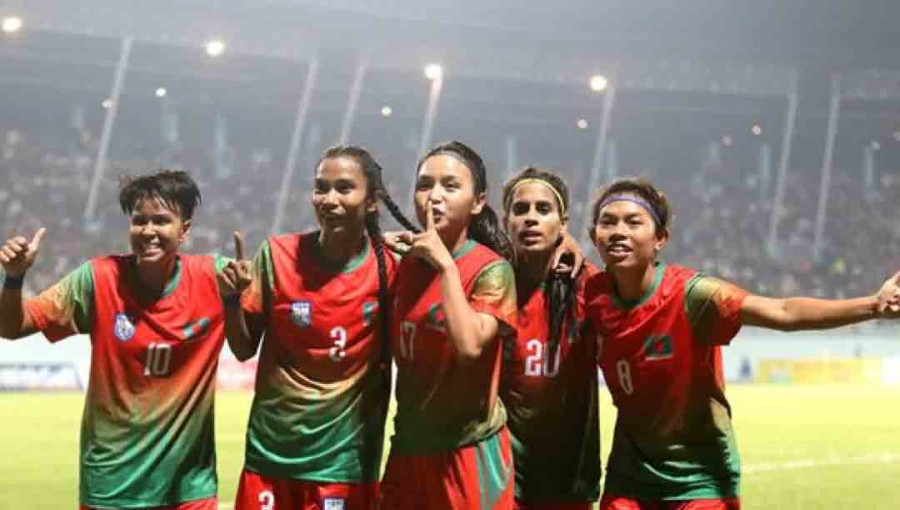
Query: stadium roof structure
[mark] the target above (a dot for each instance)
(510, 62)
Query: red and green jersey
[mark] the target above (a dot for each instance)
(442, 404)
(661, 359)
(551, 399)
(322, 388)
(147, 431)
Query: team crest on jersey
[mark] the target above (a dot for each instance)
(301, 313)
(123, 328)
(435, 317)
(658, 347)
(333, 504)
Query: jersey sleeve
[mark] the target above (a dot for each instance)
(494, 293)
(67, 307)
(254, 298)
(714, 308)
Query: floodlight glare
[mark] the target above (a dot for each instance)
(386, 111)
(11, 24)
(433, 71)
(107, 103)
(756, 129)
(598, 83)
(215, 47)
(582, 123)
(161, 92)
(727, 140)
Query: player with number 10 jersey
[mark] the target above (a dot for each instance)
(155, 321)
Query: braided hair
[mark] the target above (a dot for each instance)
(485, 227)
(560, 288)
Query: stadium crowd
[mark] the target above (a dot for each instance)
(722, 217)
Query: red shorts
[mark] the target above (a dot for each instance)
(524, 505)
(197, 504)
(477, 477)
(611, 502)
(260, 492)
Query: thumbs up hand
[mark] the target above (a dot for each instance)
(18, 254)
(236, 275)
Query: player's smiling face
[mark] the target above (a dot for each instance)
(340, 197)
(533, 219)
(625, 235)
(446, 186)
(157, 231)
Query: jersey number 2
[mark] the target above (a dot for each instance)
(337, 352)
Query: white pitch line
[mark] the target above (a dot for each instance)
(834, 460)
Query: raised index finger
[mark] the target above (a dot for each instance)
(238, 246)
(429, 218)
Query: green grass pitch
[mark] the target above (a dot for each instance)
(803, 447)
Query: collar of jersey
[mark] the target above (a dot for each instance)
(351, 265)
(171, 285)
(628, 305)
(465, 248)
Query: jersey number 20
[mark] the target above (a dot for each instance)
(537, 362)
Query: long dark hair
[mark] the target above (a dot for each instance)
(376, 190)
(560, 288)
(485, 227)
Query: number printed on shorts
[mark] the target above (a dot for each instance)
(266, 500)
(158, 360)
(339, 336)
(623, 369)
(537, 364)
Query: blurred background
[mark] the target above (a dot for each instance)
(773, 127)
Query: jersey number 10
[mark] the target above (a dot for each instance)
(158, 360)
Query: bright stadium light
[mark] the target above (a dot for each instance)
(582, 123)
(12, 24)
(756, 129)
(727, 140)
(598, 83)
(215, 47)
(386, 111)
(433, 71)
(161, 92)
(875, 145)
(107, 103)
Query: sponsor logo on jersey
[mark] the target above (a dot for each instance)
(658, 347)
(123, 328)
(333, 504)
(301, 313)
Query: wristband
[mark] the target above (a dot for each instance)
(13, 282)
(232, 301)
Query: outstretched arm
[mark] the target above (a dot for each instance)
(800, 313)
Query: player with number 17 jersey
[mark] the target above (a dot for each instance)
(147, 438)
(322, 386)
